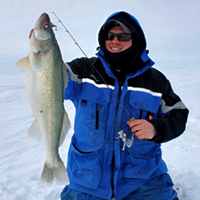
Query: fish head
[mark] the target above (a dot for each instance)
(42, 37)
(43, 28)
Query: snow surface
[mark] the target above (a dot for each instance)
(172, 32)
(22, 158)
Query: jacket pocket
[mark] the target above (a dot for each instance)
(141, 167)
(143, 105)
(143, 157)
(84, 168)
(91, 118)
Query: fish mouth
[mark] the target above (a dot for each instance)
(43, 21)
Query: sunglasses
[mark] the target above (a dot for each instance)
(123, 37)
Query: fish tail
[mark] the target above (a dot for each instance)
(61, 174)
(58, 173)
(47, 174)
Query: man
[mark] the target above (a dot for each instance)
(124, 110)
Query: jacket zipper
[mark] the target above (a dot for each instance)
(97, 116)
(140, 115)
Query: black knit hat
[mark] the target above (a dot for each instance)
(128, 24)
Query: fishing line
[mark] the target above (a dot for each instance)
(121, 134)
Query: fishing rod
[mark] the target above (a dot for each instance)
(93, 67)
(121, 134)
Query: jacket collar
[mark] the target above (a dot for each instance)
(148, 63)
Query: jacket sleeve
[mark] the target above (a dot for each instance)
(77, 70)
(173, 116)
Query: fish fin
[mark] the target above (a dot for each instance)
(58, 173)
(61, 174)
(23, 64)
(65, 128)
(31, 33)
(65, 76)
(47, 175)
(34, 131)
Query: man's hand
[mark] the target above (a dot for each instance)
(142, 129)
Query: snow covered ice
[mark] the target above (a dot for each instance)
(21, 158)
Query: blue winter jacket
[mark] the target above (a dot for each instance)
(97, 165)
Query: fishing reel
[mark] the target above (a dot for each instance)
(127, 141)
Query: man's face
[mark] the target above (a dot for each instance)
(116, 46)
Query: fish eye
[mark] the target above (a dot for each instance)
(46, 26)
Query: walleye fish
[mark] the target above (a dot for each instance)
(46, 80)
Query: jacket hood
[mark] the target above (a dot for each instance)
(129, 24)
